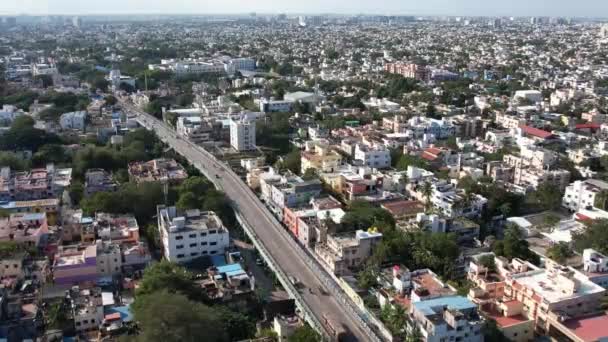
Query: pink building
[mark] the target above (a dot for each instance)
(25, 228)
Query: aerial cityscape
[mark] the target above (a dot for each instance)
(316, 172)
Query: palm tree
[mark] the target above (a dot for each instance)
(427, 192)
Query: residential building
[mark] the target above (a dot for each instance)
(242, 133)
(452, 318)
(98, 180)
(75, 264)
(292, 192)
(36, 184)
(319, 155)
(227, 282)
(271, 106)
(375, 157)
(595, 267)
(285, 326)
(73, 121)
(409, 70)
(193, 128)
(109, 259)
(558, 291)
(191, 235)
(87, 308)
(582, 194)
(530, 178)
(341, 252)
(157, 170)
(27, 228)
(469, 127)
(532, 96)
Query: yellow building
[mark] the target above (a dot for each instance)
(319, 156)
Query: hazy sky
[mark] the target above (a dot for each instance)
(595, 8)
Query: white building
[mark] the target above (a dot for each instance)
(282, 106)
(375, 157)
(194, 129)
(581, 194)
(533, 96)
(594, 262)
(43, 69)
(192, 235)
(242, 133)
(452, 318)
(73, 120)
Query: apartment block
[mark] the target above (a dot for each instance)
(98, 180)
(190, 235)
(341, 252)
(581, 194)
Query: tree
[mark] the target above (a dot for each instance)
(560, 252)
(487, 261)
(292, 161)
(310, 174)
(514, 246)
(548, 196)
(601, 198)
(166, 316)
(595, 236)
(304, 334)
(76, 191)
(427, 192)
(187, 201)
(170, 277)
(10, 159)
(550, 220)
(110, 100)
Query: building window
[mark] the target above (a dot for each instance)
(212, 231)
(203, 234)
(193, 254)
(192, 236)
(179, 256)
(203, 244)
(179, 237)
(213, 252)
(193, 245)
(213, 243)
(179, 246)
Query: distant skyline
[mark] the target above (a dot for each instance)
(566, 8)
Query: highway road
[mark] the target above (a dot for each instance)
(289, 256)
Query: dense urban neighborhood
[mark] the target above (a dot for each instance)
(303, 178)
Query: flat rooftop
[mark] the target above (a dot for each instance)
(545, 287)
(589, 329)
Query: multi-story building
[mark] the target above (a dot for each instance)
(319, 156)
(292, 193)
(27, 228)
(194, 129)
(558, 291)
(418, 126)
(73, 120)
(75, 264)
(157, 170)
(595, 267)
(98, 180)
(538, 158)
(191, 235)
(582, 194)
(531, 178)
(242, 133)
(271, 106)
(469, 127)
(34, 184)
(509, 121)
(377, 157)
(341, 252)
(409, 70)
(452, 318)
(109, 259)
(87, 308)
